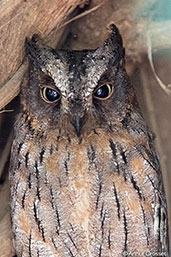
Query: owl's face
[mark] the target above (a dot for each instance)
(78, 90)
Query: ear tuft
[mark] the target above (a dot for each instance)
(39, 54)
(114, 38)
(113, 47)
(33, 46)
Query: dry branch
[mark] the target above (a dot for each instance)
(12, 87)
(166, 88)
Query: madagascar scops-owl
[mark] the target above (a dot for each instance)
(85, 180)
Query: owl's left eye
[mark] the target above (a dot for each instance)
(50, 95)
(103, 92)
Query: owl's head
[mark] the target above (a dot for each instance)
(78, 90)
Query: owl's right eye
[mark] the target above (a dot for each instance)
(50, 95)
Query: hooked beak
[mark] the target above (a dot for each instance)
(77, 122)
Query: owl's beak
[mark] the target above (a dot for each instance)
(77, 122)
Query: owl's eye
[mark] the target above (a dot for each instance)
(50, 95)
(103, 92)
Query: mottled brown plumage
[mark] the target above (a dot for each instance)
(84, 176)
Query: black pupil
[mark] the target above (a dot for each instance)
(51, 94)
(102, 92)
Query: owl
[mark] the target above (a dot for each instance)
(85, 180)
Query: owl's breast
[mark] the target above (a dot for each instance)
(93, 197)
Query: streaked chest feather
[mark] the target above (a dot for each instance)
(89, 198)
